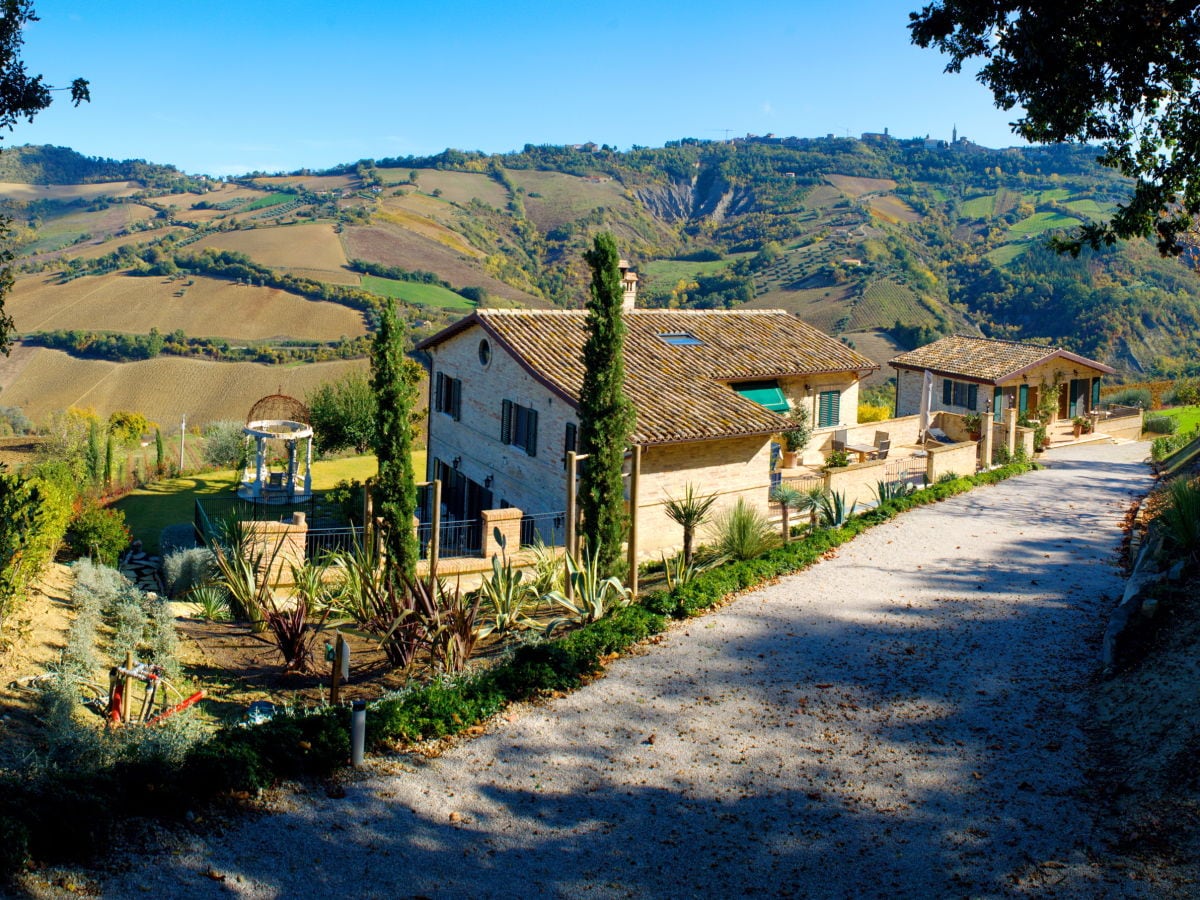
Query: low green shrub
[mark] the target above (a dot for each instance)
(1131, 397)
(1160, 424)
(98, 533)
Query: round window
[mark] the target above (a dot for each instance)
(485, 352)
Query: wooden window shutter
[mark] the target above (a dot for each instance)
(456, 398)
(531, 433)
(972, 396)
(1095, 393)
(947, 392)
(506, 409)
(1023, 402)
(439, 392)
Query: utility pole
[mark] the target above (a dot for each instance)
(182, 433)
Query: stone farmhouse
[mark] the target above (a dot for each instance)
(977, 374)
(710, 390)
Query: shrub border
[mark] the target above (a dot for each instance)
(237, 760)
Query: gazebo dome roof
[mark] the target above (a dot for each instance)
(278, 408)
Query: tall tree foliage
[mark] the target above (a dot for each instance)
(21, 96)
(1121, 73)
(395, 491)
(605, 413)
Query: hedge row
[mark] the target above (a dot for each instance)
(237, 760)
(34, 513)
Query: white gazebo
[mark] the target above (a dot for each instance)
(277, 441)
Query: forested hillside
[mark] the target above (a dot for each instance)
(887, 243)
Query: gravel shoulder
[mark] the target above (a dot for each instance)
(903, 719)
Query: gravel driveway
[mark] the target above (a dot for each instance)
(901, 720)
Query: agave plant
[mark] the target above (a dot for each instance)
(890, 490)
(505, 597)
(211, 603)
(592, 596)
(243, 570)
(833, 510)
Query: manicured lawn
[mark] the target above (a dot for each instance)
(1186, 417)
(173, 501)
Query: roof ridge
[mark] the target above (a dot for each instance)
(1009, 341)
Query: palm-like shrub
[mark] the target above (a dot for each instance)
(505, 597)
(788, 497)
(741, 532)
(690, 512)
(833, 512)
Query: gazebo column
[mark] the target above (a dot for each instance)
(291, 469)
(308, 467)
(260, 472)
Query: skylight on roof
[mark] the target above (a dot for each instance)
(680, 339)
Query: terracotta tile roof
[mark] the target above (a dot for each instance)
(985, 360)
(680, 392)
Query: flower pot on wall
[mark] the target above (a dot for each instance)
(789, 459)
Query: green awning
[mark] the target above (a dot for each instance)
(764, 393)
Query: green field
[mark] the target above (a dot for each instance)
(1089, 208)
(1053, 194)
(1006, 253)
(173, 501)
(264, 202)
(978, 207)
(672, 270)
(415, 292)
(1041, 222)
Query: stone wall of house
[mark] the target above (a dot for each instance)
(731, 468)
(535, 484)
(957, 459)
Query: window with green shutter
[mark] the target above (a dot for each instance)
(447, 396)
(829, 409)
(1023, 399)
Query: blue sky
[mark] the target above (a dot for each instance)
(222, 88)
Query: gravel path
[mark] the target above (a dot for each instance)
(903, 719)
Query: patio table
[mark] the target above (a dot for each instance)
(863, 450)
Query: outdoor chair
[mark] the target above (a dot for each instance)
(839, 440)
(881, 437)
(882, 451)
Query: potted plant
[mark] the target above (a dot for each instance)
(974, 424)
(1081, 425)
(795, 438)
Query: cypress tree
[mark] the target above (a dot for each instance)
(605, 413)
(395, 491)
(159, 453)
(108, 462)
(92, 457)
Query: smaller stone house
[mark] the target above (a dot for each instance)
(709, 389)
(973, 374)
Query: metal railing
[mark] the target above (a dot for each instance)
(908, 469)
(551, 527)
(319, 541)
(456, 538)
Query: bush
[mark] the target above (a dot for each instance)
(741, 531)
(98, 533)
(1186, 392)
(1161, 425)
(184, 570)
(869, 413)
(224, 445)
(1181, 516)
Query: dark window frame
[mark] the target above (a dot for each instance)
(518, 426)
(447, 396)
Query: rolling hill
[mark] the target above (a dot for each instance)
(888, 243)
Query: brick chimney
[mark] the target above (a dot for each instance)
(629, 281)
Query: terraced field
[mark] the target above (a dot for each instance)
(393, 246)
(886, 302)
(822, 306)
(893, 209)
(118, 302)
(429, 228)
(27, 192)
(879, 347)
(855, 186)
(59, 232)
(1041, 222)
(564, 198)
(456, 187)
(163, 389)
(311, 182)
(1006, 253)
(310, 246)
(978, 207)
